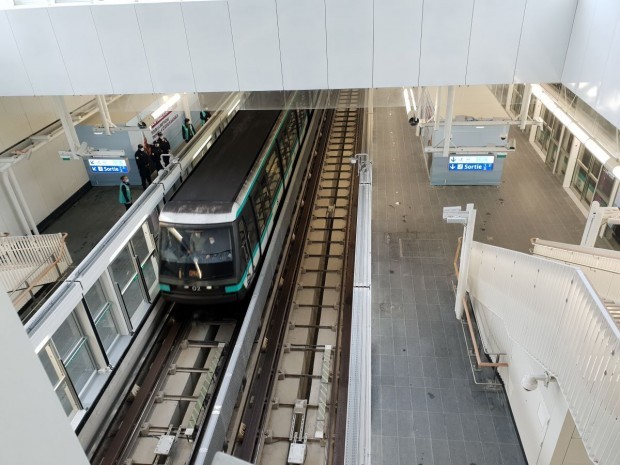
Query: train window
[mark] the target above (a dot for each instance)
(243, 241)
(273, 173)
(196, 253)
(250, 223)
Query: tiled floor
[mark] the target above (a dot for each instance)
(426, 409)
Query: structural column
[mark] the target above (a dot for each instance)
(67, 123)
(447, 127)
(525, 105)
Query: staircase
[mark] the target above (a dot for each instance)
(554, 313)
(29, 262)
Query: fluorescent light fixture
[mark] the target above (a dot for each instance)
(166, 106)
(579, 133)
(616, 172)
(415, 107)
(479, 127)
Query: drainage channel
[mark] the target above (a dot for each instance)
(301, 423)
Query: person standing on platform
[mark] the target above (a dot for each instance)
(204, 116)
(124, 193)
(187, 130)
(156, 156)
(164, 145)
(143, 161)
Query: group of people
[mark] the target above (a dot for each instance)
(160, 152)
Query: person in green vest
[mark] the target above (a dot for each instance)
(187, 130)
(124, 193)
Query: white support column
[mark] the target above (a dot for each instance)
(447, 127)
(467, 218)
(185, 103)
(67, 123)
(22, 201)
(105, 114)
(437, 107)
(16, 205)
(370, 128)
(29, 402)
(572, 162)
(537, 110)
(525, 105)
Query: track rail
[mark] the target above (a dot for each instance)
(294, 399)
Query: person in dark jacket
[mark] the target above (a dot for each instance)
(204, 116)
(124, 193)
(165, 148)
(156, 155)
(143, 161)
(187, 130)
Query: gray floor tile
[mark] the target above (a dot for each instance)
(389, 423)
(406, 450)
(441, 452)
(474, 453)
(424, 451)
(390, 450)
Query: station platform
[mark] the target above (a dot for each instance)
(426, 407)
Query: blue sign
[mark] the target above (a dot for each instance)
(99, 165)
(470, 166)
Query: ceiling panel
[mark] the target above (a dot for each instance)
(257, 47)
(349, 43)
(494, 41)
(302, 43)
(544, 40)
(39, 51)
(209, 38)
(75, 31)
(15, 82)
(397, 30)
(121, 42)
(445, 42)
(165, 43)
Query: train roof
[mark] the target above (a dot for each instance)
(220, 175)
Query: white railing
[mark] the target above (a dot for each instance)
(601, 266)
(554, 314)
(27, 262)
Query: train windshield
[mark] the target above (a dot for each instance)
(196, 254)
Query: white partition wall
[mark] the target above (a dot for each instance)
(218, 45)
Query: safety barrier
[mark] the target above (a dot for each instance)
(555, 315)
(28, 262)
(601, 266)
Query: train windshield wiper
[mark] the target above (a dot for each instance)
(174, 233)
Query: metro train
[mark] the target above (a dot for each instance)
(215, 230)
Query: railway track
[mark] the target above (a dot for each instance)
(298, 406)
(297, 410)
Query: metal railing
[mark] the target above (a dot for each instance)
(553, 312)
(28, 262)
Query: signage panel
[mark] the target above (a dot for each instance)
(108, 165)
(486, 159)
(470, 167)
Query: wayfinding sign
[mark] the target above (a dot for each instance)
(108, 165)
(471, 162)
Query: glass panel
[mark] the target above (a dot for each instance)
(579, 179)
(66, 399)
(81, 367)
(604, 187)
(140, 247)
(551, 154)
(49, 367)
(132, 296)
(96, 300)
(67, 337)
(196, 253)
(122, 268)
(106, 329)
(590, 190)
(148, 271)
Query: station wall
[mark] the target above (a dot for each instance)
(46, 181)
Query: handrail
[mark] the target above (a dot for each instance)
(39, 273)
(470, 326)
